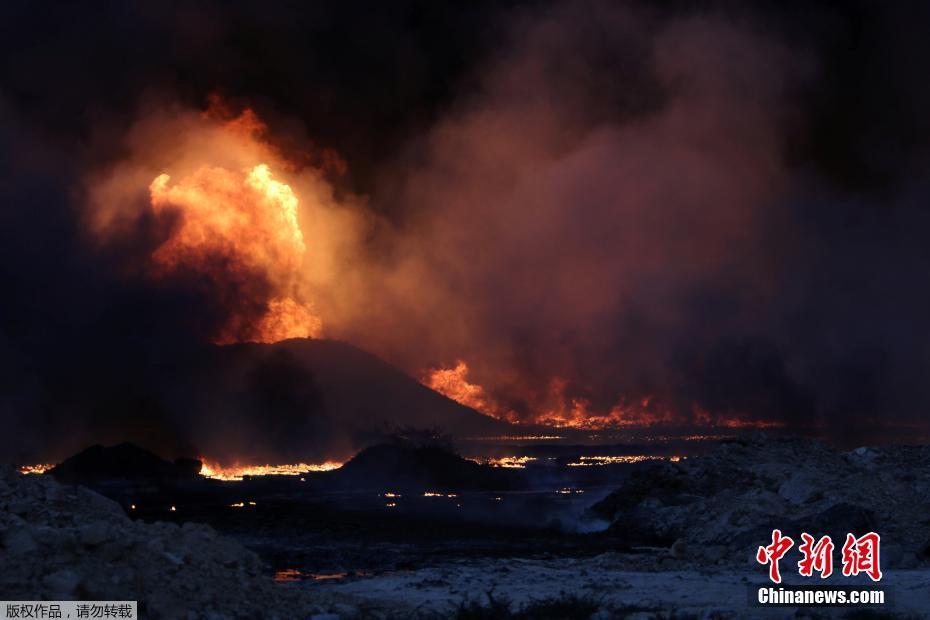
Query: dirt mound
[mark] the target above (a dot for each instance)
(417, 468)
(124, 460)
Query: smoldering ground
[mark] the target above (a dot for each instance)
(717, 206)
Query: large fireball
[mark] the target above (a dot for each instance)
(237, 222)
(233, 224)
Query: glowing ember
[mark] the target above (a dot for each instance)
(515, 438)
(288, 574)
(436, 494)
(35, 469)
(390, 504)
(237, 472)
(242, 504)
(569, 491)
(389, 495)
(588, 461)
(285, 575)
(510, 462)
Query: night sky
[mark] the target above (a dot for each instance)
(719, 205)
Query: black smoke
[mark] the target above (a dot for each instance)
(821, 317)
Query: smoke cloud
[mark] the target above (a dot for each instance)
(622, 213)
(564, 227)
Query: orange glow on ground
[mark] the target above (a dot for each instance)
(238, 472)
(35, 469)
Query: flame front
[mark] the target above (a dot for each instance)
(556, 408)
(237, 472)
(453, 383)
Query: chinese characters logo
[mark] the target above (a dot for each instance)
(859, 555)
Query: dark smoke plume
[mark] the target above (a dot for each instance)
(718, 206)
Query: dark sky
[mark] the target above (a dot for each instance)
(771, 257)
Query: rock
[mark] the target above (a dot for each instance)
(713, 553)
(679, 549)
(863, 456)
(891, 555)
(801, 489)
(19, 507)
(76, 543)
(908, 560)
(63, 582)
(94, 534)
(726, 503)
(19, 542)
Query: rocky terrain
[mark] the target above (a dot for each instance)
(717, 509)
(61, 542)
(680, 543)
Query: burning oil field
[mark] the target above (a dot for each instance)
(538, 309)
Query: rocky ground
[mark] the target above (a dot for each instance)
(717, 509)
(689, 531)
(605, 587)
(61, 542)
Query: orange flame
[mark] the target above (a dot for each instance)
(232, 224)
(39, 468)
(453, 383)
(245, 222)
(210, 469)
(560, 410)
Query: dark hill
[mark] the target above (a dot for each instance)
(416, 468)
(296, 400)
(307, 399)
(122, 461)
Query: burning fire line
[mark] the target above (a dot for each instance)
(515, 438)
(563, 411)
(508, 462)
(238, 472)
(589, 461)
(35, 469)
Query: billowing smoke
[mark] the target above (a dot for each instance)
(569, 212)
(228, 224)
(589, 214)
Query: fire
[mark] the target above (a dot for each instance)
(231, 217)
(288, 575)
(558, 409)
(589, 461)
(453, 383)
(40, 468)
(510, 462)
(235, 225)
(238, 472)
